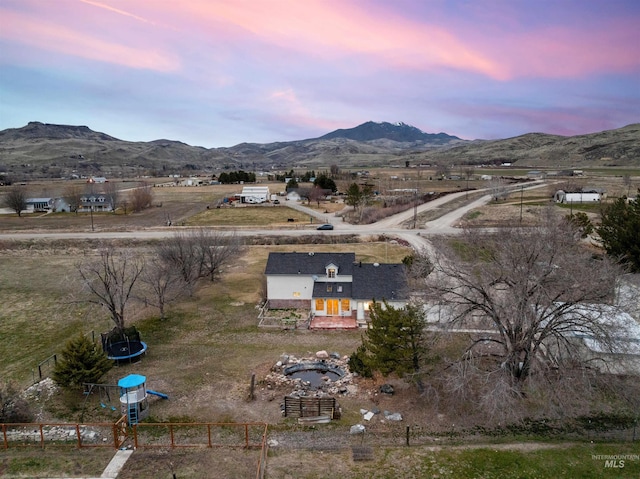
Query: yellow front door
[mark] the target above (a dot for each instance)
(332, 307)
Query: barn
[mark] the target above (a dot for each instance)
(577, 197)
(254, 194)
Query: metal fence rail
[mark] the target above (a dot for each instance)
(80, 435)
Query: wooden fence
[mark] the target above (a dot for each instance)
(310, 407)
(65, 434)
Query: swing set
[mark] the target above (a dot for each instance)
(106, 391)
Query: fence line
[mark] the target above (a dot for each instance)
(45, 368)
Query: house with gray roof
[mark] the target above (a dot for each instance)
(333, 284)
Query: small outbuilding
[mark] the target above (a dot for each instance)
(579, 197)
(254, 194)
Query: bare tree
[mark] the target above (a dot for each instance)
(217, 250)
(73, 196)
(112, 195)
(200, 253)
(316, 194)
(141, 197)
(626, 179)
(16, 199)
(180, 254)
(110, 282)
(442, 170)
(531, 292)
(163, 283)
(499, 190)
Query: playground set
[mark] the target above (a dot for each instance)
(133, 395)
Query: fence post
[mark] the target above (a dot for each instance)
(114, 429)
(78, 435)
(253, 385)
(171, 434)
(41, 437)
(246, 435)
(407, 435)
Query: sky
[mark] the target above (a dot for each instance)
(217, 73)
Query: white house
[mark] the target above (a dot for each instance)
(39, 204)
(254, 194)
(95, 202)
(332, 284)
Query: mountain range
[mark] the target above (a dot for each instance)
(47, 150)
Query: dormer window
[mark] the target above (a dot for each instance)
(332, 270)
(329, 287)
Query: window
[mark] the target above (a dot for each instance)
(329, 287)
(296, 294)
(339, 289)
(319, 304)
(345, 306)
(331, 273)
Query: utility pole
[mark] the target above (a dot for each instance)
(521, 194)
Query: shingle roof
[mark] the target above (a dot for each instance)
(309, 263)
(331, 290)
(380, 282)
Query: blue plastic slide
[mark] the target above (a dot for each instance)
(156, 393)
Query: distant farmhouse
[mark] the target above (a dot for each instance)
(333, 284)
(39, 204)
(95, 202)
(97, 179)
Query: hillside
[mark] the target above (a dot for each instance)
(620, 147)
(44, 150)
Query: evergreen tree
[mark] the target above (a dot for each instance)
(395, 341)
(82, 362)
(354, 195)
(620, 231)
(326, 183)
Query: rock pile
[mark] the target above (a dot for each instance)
(276, 379)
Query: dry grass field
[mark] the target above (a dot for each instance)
(204, 353)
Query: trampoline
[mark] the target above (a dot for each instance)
(129, 350)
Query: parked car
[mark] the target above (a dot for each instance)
(325, 227)
(276, 202)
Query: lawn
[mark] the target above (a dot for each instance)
(512, 461)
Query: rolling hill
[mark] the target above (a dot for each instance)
(46, 150)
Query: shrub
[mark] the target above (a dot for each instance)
(13, 407)
(358, 363)
(82, 362)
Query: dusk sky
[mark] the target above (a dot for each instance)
(220, 72)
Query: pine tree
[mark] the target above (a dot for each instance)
(620, 231)
(82, 362)
(395, 341)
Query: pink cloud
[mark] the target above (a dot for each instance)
(341, 29)
(54, 36)
(289, 109)
(559, 52)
